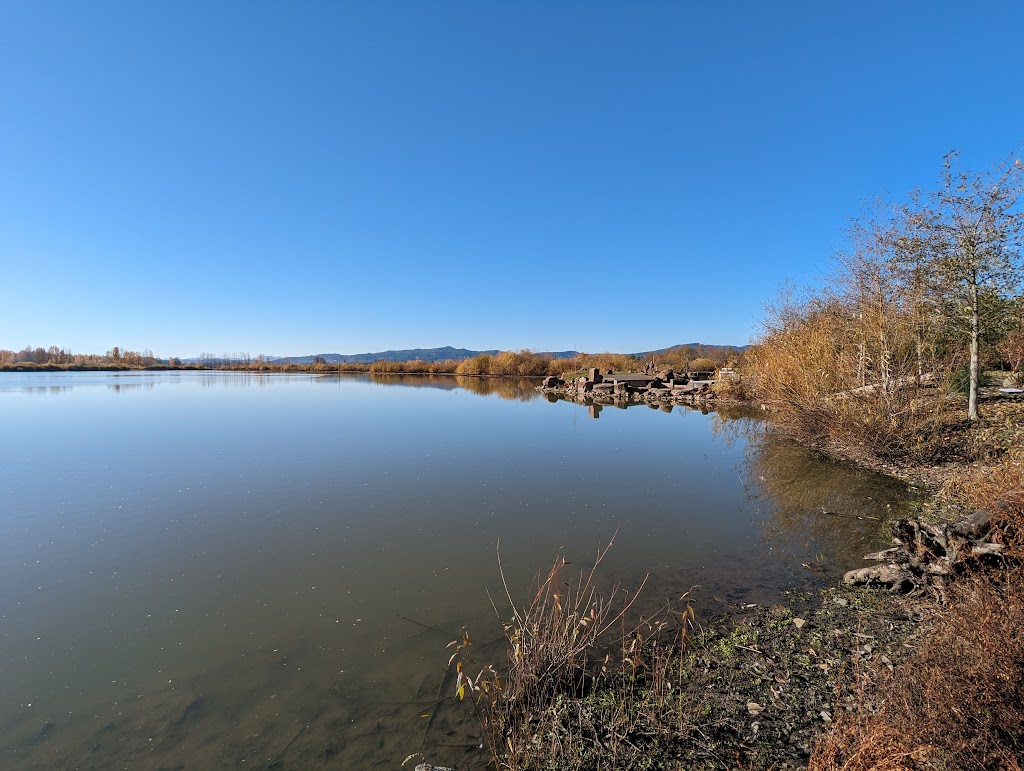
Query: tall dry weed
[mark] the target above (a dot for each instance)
(565, 644)
(824, 386)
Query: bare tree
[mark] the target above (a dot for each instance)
(977, 223)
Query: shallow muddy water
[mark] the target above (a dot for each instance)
(205, 570)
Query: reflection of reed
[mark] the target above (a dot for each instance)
(36, 390)
(732, 423)
(821, 505)
(516, 389)
(119, 387)
(444, 382)
(236, 379)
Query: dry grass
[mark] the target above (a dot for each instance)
(566, 646)
(736, 389)
(958, 703)
(416, 366)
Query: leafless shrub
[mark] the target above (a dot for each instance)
(565, 643)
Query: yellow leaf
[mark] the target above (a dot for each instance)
(462, 692)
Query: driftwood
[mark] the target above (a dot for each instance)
(926, 554)
(927, 379)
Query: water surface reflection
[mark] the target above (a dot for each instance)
(217, 569)
(518, 389)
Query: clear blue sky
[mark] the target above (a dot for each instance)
(343, 177)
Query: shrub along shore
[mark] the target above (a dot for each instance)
(886, 368)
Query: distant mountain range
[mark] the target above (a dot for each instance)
(456, 354)
(410, 354)
(697, 347)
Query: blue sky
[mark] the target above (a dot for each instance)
(355, 176)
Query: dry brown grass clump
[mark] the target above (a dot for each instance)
(733, 389)
(810, 372)
(958, 703)
(996, 488)
(416, 366)
(567, 644)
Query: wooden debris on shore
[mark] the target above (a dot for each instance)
(926, 554)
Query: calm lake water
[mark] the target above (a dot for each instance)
(209, 570)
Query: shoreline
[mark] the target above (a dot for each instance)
(796, 685)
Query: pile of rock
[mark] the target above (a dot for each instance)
(666, 387)
(925, 554)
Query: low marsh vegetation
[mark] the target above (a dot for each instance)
(583, 686)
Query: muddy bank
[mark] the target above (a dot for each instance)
(770, 680)
(754, 688)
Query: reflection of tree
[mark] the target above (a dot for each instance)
(818, 506)
(732, 423)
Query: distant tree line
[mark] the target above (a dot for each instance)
(54, 358)
(523, 363)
